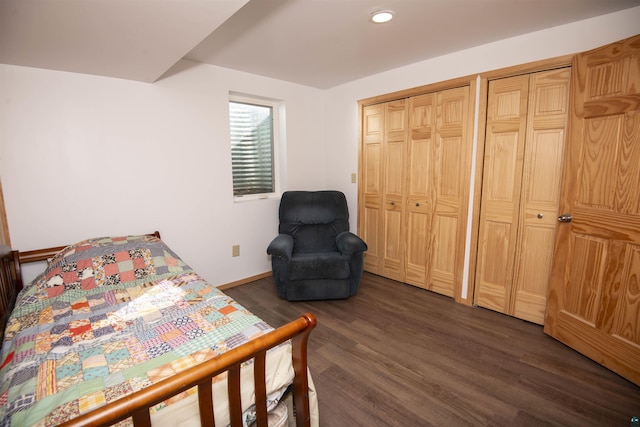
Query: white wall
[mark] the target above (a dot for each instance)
(342, 109)
(85, 156)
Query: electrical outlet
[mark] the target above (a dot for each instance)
(235, 250)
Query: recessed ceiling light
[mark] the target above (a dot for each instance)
(381, 16)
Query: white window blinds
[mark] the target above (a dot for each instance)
(251, 148)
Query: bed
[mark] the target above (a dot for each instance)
(121, 331)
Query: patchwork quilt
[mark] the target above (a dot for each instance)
(107, 317)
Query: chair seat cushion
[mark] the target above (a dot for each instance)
(319, 265)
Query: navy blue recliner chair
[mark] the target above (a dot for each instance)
(315, 256)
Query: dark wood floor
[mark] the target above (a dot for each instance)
(396, 355)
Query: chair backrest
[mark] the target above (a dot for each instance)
(313, 219)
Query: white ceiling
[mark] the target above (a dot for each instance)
(319, 43)
(129, 39)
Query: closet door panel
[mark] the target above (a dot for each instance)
(495, 259)
(393, 158)
(443, 259)
(420, 194)
(451, 160)
(370, 224)
(499, 221)
(418, 236)
(396, 121)
(542, 181)
(370, 232)
(393, 262)
(502, 177)
(532, 275)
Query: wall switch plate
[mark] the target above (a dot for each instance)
(235, 250)
(354, 178)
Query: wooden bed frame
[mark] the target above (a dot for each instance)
(137, 404)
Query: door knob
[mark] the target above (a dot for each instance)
(565, 218)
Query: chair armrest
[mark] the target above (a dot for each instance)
(281, 246)
(348, 243)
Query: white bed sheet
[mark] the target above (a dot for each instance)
(279, 375)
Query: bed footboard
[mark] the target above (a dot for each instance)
(136, 405)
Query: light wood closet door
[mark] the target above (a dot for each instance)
(438, 153)
(594, 304)
(416, 162)
(545, 144)
(394, 151)
(502, 177)
(450, 179)
(381, 225)
(524, 149)
(420, 194)
(370, 212)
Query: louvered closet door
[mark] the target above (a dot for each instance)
(524, 149)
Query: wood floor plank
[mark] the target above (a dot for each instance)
(397, 355)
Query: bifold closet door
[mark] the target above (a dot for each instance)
(420, 194)
(438, 165)
(415, 166)
(501, 183)
(524, 154)
(384, 130)
(394, 152)
(370, 216)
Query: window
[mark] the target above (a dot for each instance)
(253, 128)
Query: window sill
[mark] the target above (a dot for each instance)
(254, 197)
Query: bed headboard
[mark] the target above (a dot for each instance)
(10, 283)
